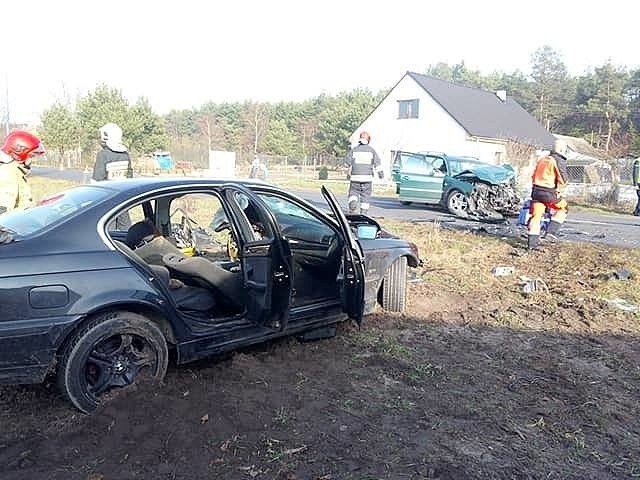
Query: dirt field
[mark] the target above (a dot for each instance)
(475, 381)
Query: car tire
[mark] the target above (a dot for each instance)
(457, 204)
(394, 286)
(110, 352)
(405, 202)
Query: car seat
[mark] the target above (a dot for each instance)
(228, 285)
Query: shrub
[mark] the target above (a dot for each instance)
(323, 173)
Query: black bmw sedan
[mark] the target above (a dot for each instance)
(97, 283)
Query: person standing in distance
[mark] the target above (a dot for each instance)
(364, 163)
(549, 182)
(112, 161)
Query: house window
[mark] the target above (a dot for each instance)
(408, 108)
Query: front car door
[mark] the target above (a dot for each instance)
(265, 258)
(352, 270)
(417, 179)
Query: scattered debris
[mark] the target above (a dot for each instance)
(622, 304)
(251, 471)
(293, 451)
(205, 418)
(622, 274)
(502, 271)
(533, 285)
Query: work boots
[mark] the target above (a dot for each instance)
(552, 231)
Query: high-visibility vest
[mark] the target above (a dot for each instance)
(546, 174)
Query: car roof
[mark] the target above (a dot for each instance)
(131, 185)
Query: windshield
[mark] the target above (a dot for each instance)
(458, 165)
(51, 211)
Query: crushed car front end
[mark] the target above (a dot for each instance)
(490, 189)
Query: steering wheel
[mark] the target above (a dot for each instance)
(183, 231)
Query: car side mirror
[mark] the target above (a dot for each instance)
(367, 232)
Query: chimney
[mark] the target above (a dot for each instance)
(502, 95)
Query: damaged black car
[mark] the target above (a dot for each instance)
(100, 282)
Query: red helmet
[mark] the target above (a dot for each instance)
(21, 145)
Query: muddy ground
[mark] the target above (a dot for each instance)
(475, 381)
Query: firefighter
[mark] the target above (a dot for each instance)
(113, 163)
(113, 159)
(549, 180)
(364, 163)
(636, 183)
(15, 164)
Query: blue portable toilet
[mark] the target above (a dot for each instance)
(164, 161)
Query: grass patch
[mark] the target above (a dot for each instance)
(42, 187)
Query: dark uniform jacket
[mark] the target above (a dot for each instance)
(110, 165)
(364, 162)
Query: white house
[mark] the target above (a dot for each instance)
(423, 113)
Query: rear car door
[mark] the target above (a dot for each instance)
(265, 258)
(352, 269)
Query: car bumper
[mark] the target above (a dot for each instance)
(28, 348)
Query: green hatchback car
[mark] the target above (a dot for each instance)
(465, 186)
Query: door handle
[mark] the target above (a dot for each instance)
(261, 287)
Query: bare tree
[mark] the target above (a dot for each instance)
(212, 131)
(257, 119)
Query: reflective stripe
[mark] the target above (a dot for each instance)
(537, 210)
(361, 178)
(117, 169)
(362, 158)
(364, 206)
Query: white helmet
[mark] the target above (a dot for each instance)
(111, 136)
(560, 146)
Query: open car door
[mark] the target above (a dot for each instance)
(352, 268)
(265, 258)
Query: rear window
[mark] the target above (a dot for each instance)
(52, 210)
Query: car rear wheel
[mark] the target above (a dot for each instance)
(457, 203)
(405, 202)
(394, 286)
(111, 352)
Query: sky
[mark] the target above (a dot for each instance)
(181, 54)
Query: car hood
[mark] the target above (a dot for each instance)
(491, 173)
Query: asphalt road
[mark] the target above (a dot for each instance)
(610, 228)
